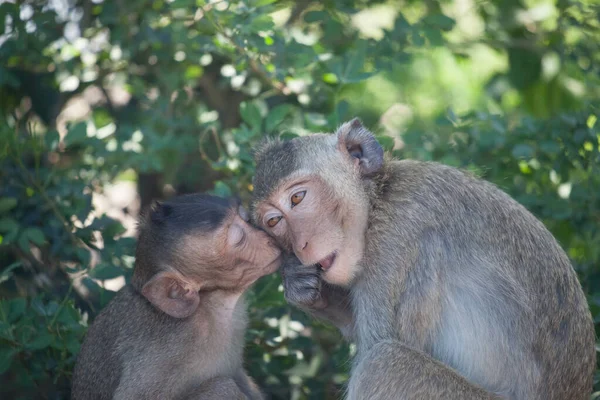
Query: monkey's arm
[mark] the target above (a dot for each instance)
(214, 389)
(405, 373)
(248, 386)
(305, 289)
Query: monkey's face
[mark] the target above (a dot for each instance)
(319, 210)
(305, 217)
(233, 256)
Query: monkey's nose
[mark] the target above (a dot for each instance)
(300, 246)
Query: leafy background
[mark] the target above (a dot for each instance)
(107, 105)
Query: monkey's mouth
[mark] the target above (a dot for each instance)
(327, 262)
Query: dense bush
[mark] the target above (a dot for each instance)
(170, 96)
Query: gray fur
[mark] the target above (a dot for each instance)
(460, 286)
(134, 351)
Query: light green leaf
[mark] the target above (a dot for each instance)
(261, 3)
(276, 116)
(193, 72)
(251, 115)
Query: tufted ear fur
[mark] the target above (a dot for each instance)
(362, 145)
(172, 294)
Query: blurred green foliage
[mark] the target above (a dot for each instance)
(172, 94)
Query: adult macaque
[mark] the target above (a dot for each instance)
(177, 331)
(450, 288)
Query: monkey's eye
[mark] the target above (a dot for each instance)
(297, 198)
(271, 222)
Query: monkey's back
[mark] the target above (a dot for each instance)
(121, 332)
(97, 374)
(510, 302)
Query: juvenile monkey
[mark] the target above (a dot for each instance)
(177, 331)
(450, 288)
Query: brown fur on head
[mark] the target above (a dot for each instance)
(198, 243)
(319, 210)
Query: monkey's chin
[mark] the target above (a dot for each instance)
(340, 272)
(273, 265)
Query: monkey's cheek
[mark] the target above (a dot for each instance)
(338, 274)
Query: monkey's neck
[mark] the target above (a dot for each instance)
(221, 312)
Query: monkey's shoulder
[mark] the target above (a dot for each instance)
(428, 181)
(428, 172)
(130, 318)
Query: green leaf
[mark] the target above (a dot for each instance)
(550, 147)
(263, 22)
(6, 356)
(221, 189)
(23, 242)
(315, 16)
(193, 72)
(251, 114)
(7, 203)
(341, 110)
(17, 309)
(386, 142)
(35, 235)
(73, 346)
(354, 64)
(525, 67)
(522, 151)
(434, 36)
(51, 139)
(276, 116)
(359, 77)
(439, 21)
(316, 119)
(288, 136)
(106, 271)
(417, 39)
(77, 134)
(330, 78)
(42, 340)
(101, 118)
(187, 4)
(262, 3)
(7, 272)
(38, 307)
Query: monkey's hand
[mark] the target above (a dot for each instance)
(304, 288)
(302, 284)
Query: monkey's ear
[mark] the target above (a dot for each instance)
(159, 211)
(361, 144)
(170, 293)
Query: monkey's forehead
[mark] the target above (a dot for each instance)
(277, 161)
